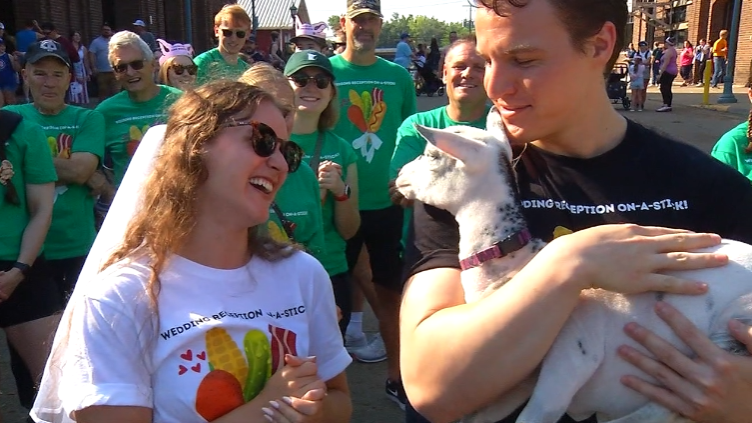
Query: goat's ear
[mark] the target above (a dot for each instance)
(452, 143)
(495, 126)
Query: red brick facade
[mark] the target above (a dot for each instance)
(703, 19)
(164, 18)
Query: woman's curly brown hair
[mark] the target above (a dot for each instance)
(168, 215)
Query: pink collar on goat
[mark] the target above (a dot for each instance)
(514, 242)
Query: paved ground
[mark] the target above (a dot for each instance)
(689, 123)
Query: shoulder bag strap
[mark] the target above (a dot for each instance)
(316, 157)
(287, 225)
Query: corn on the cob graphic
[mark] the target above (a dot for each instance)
(258, 352)
(225, 355)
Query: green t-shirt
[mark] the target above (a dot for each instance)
(126, 121)
(27, 151)
(410, 144)
(730, 150)
(299, 200)
(72, 231)
(212, 66)
(375, 100)
(337, 150)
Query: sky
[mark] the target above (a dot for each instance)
(444, 10)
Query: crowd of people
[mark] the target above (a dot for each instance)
(202, 244)
(665, 62)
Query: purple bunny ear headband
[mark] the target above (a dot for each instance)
(173, 50)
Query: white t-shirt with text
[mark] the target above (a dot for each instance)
(219, 336)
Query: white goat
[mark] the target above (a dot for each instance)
(467, 171)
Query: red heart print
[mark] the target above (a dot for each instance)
(201, 355)
(187, 356)
(181, 370)
(197, 368)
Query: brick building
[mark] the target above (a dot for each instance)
(694, 20)
(176, 20)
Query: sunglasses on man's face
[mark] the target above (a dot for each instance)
(228, 33)
(123, 67)
(301, 80)
(265, 142)
(179, 69)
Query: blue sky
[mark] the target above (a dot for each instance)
(445, 10)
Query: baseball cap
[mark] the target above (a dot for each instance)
(670, 41)
(46, 48)
(308, 58)
(404, 35)
(139, 22)
(642, 44)
(2, 25)
(358, 7)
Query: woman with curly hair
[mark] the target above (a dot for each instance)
(196, 315)
(735, 146)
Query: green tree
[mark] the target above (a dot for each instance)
(421, 29)
(333, 23)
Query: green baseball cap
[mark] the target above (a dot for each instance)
(358, 7)
(308, 58)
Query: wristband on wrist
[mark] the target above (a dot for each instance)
(23, 267)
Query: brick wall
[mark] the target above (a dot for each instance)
(744, 48)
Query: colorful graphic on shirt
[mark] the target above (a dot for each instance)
(276, 232)
(367, 112)
(561, 231)
(61, 146)
(235, 377)
(134, 138)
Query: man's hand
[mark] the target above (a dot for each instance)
(397, 197)
(9, 281)
(716, 386)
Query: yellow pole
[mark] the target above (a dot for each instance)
(706, 82)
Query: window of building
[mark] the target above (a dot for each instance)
(677, 14)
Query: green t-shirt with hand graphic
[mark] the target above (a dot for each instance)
(374, 100)
(27, 152)
(73, 130)
(299, 201)
(126, 121)
(337, 150)
(410, 144)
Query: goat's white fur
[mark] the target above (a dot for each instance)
(461, 172)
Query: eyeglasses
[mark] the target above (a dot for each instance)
(179, 69)
(300, 80)
(135, 65)
(229, 32)
(265, 141)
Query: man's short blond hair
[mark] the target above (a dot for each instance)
(232, 13)
(724, 33)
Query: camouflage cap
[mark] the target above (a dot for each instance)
(358, 7)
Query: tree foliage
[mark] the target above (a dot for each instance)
(421, 29)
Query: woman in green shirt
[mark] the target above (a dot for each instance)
(296, 213)
(735, 146)
(311, 77)
(29, 299)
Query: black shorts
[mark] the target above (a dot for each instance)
(65, 274)
(381, 232)
(36, 296)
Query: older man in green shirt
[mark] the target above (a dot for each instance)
(75, 138)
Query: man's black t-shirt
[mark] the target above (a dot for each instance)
(647, 179)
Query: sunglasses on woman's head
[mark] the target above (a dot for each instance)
(229, 32)
(301, 80)
(179, 69)
(135, 65)
(265, 141)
